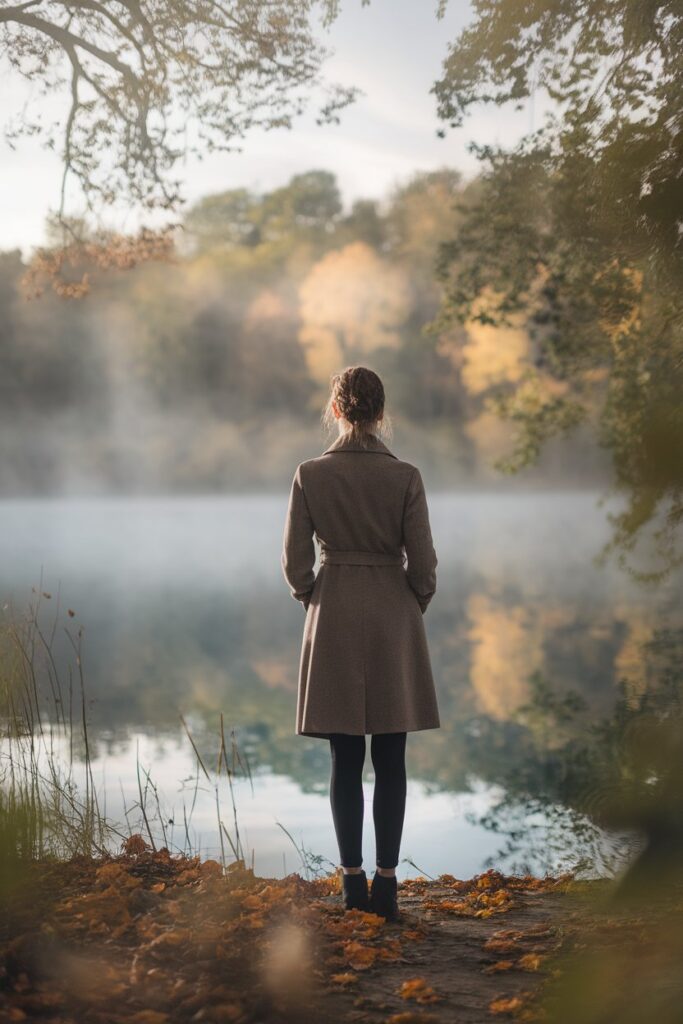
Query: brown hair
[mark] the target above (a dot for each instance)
(359, 396)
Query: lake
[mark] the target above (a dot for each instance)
(184, 610)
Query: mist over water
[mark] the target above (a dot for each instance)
(149, 433)
(185, 610)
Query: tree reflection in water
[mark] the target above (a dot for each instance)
(602, 795)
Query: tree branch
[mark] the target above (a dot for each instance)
(65, 38)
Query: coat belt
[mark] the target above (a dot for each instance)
(338, 557)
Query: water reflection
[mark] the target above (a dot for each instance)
(185, 610)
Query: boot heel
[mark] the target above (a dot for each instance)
(355, 889)
(383, 897)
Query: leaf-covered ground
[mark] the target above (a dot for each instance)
(147, 938)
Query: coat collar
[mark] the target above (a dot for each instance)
(344, 443)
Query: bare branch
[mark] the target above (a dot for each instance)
(160, 81)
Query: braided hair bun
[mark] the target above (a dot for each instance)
(359, 396)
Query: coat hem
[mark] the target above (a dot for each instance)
(379, 732)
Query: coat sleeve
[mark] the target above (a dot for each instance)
(298, 549)
(417, 540)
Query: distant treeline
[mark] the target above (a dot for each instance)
(210, 372)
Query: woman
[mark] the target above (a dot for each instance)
(365, 666)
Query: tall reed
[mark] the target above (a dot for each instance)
(49, 803)
(46, 810)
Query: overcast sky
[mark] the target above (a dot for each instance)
(392, 50)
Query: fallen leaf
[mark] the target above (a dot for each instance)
(391, 950)
(501, 946)
(530, 961)
(501, 965)
(506, 1005)
(344, 979)
(359, 956)
(419, 990)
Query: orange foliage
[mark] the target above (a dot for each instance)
(506, 1005)
(502, 965)
(359, 956)
(419, 990)
(344, 979)
(67, 268)
(174, 936)
(530, 962)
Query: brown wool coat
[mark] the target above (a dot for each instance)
(365, 665)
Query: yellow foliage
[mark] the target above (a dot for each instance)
(507, 647)
(454, 906)
(489, 434)
(618, 326)
(356, 923)
(351, 303)
(493, 355)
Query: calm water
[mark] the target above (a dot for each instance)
(185, 610)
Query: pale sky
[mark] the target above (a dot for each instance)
(392, 50)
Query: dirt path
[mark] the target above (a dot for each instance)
(149, 938)
(458, 958)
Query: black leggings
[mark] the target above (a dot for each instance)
(389, 801)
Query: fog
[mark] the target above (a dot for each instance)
(210, 372)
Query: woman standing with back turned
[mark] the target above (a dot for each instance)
(365, 666)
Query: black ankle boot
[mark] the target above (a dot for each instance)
(356, 891)
(383, 896)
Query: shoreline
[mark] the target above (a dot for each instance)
(148, 938)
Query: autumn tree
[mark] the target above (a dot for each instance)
(145, 85)
(352, 304)
(148, 83)
(577, 229)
